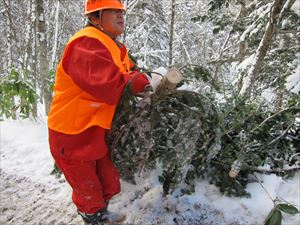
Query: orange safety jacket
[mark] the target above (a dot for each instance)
(73, 110)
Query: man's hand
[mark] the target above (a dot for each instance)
(139, 83)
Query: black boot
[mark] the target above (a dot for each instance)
(112, 217)
(92, 219)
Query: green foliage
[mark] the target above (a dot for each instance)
(146, 19)
(275, 216)
(279, 64)
(191, 137)
(167, 132)
(287, 208)
(254, 136)
(199, 18)
(56, 171)
(51, 80)
(17, 96)
(218, 4)
(221, 23)
(248, 30)
(200, 74)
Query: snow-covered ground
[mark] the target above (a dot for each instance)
(30, 195)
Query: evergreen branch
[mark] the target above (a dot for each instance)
(294, 155)
(244, 120)
(217, 162)
(149, 149)
(222, 60)
(125, 111)
(260, 170)
(274, 115)
(128, 124)
(206, 143)
(200, 96)
(280, 136)
(189, 108)
(188, 65)
(287, 31)
(270, 171)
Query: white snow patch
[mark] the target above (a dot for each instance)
(25, 154)
(296, 7)
(293, 81)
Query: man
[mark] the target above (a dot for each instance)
(90, 79)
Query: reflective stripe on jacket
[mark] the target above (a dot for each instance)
(73, 110)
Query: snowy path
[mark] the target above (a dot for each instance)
(23, 202)
(29, 195)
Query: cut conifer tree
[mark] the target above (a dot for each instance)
(179, 129)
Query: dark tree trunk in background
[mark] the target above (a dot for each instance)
(171, 33)
(264, 45)
(43, 56)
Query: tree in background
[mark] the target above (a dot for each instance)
(28, 47)
(146, 33)
(43, 59)
(262, 44)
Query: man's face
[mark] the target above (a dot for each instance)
(112, 21)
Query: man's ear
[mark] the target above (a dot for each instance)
(95, 20)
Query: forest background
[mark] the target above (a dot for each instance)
(246, 47)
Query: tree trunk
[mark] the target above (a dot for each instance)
(242, 45)
(55, 43)
(284, 44)
(171, 33)
(241, 54)
(9, 43)
(9, 34)
(241, 14)
(27, 48)
(263, 47)
(287, 7)
(42, 56)
(34, 59)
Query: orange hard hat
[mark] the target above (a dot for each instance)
(95, 5)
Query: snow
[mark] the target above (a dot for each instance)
(254, 28)
(293, 81)
(242, 67)
(30, 195)
(268, 95)
(246, 63)
(296, 7)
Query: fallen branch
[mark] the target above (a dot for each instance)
(270, 171)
